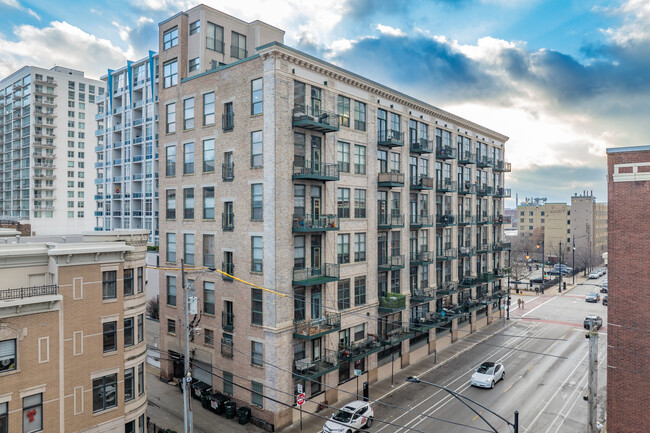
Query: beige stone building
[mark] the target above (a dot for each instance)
(589, 226)
(72, 347)
(555, 221)
(370, 210)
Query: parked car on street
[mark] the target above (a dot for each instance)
(593, 320)
(602, 271)
(352, 417)
(487, 374)
(594, 275)
(604, 299)
(603, 289)
(592, 297)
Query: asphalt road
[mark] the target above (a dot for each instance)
(545, 355)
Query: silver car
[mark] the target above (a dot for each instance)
(487, 374)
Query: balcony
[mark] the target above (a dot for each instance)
(423, 294)
(446, 185)
(360, 349)
(316, 275)
(484, 248)
(446, 220)
(422, 182)
(484, 161)
(228, 171)
(482, 218)
(445, 152)
(421, 146)
(502, 193)
(500, 219)
(422, 258)
(417, 221)
(228, 268)
(315, 223)
(391, 338)
(502, 246)
(390, 138)
(390, 179)
(484, 190)
(467, 251)
(447, 289)
(392, 302)
(502, 166)
(428, 320)
(314, 120)
(486, 277)
(466, 157)
(227, 321)
(467, 188)
(390, 263)
(315, 170)
(501, 272)
(390, 221)
(468, 282)
(29, 292)
(446, 254)
(308, 368)
(466, 219)
(316, 328)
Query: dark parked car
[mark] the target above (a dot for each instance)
(592, 297)
(604, 299)
(594, 320)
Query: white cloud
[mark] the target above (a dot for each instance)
(34, 14)
(59, 44)
(390, 31)
(636, 25)
(11, 3)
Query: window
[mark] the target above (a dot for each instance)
(170, 73)
(257, 202)
(171, 290)
(170, 110)
(109, 284)
(208, 203)
(257, 394)
(170, 164)
(109, 330)
(257, 307)
(237, 45)
(343, 156)
(208, 297)
(128, 332)
(359, 116)
(214, 38)
(227, 383)
(171, 326)
(256, 96)
(141, 378)
(188, 113)
(228, 120)
(188, 203)
(129, 427)
(343, 249)
(140, 328)
(343, 202)
(170, 38)
(33, 413)
(194, 64)
(128, 282)
(343, 109)
(257, 353)
(170, 200)
(104, 392)
(359, 247)
(171, 247)
(208, 109)
(195, 27)
(256, 256)
(188, 158)
(359, 291)
(343, 294)
(228, 217)
(188, 244)
(7, 355)
(208, 337)
(359, 203)
(257, 156)
(4, 418)
(129, 384)
(359, 159)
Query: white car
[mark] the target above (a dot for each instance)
(352, 417)
(487, 374)
(594, 274)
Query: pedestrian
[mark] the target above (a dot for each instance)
(518, 303)
(537, 290)
(523, 305)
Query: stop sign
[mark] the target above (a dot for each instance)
(301, 399)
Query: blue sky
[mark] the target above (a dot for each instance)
(564, 79)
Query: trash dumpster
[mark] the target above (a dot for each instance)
(215, 402)
(244, 414)
(199, 388)
(231, 408)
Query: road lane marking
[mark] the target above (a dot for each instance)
(480, 413)
(532, 365)
(540, 305)
(507, 389)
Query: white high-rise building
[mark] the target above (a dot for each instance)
(127, 149)
(46, 157)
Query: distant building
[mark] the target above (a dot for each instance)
(555, 221)
(47, 128)
(628, 341)
(589, 226)
(72, 334)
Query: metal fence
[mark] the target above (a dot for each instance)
(28, 292)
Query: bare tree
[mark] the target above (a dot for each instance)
(586, 259)
(153, 308)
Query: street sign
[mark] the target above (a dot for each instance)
(301, 399)
(357, 372)
(299, 386)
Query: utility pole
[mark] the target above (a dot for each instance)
(593, 379)
(508, 300)
(573, 271)
(187, 376)
(559, 289)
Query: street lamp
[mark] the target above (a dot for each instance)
(543, 261)
(460, 397)
(573, 271)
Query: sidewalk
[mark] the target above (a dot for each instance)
(549, 291)
(382, 388)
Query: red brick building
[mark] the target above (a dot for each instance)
(628, 352)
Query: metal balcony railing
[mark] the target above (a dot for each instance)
(315, 170)
(422, 182)
(390, 179)
(318, 120)
(315, 223)
(392, 302)
(29, 292)
(315, 328)
(422, 145)
(390, 138)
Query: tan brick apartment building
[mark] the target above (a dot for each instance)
(72, 349)
(553, 218)
(371, 210)
(628, 347)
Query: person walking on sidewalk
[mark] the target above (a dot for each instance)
(518, 303)
(523, 305)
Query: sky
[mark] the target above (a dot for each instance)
(564, 79)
